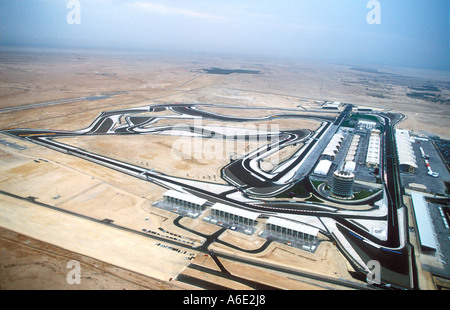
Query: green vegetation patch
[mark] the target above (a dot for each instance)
(297, 190)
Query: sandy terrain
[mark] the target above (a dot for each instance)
(78, 186)
(92, 239)
(32, 264)
(326, 260)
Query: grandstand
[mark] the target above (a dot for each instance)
(373, 150)
(405, 152)
(184, 200)
(333, 146)
(292, 230)
(428, 242)
(234, 215)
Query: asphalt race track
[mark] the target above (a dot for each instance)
(392, 253)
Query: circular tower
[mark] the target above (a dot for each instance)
(343, 184)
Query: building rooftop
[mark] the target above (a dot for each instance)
(306, 229)
(236, 211)
(323, 167)
(373, 150)
(185, 197)
(424, 222)
(405, 151)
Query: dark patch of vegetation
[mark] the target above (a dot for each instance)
(230, 71)
(314, 199)
(362, 194)
(317, 183)
(429, 97)
(367, 70)
(425, 88)
(376, 95)
(295, 191)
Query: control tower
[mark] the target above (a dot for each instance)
(343, 184)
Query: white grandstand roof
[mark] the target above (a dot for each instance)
(355, 140)
(405, 151)
(367, 123)
(349, 157)
(236, 211)
(312, 231)
(373, 151)
(185, 197)
(323, 167)
(350, 166)
(332, 147)
(423, 219)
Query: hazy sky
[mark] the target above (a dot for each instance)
(410, 33)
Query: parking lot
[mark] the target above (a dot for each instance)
(442, 236)
(433, 185)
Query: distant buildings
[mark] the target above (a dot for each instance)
(367, 125)
(332, 105)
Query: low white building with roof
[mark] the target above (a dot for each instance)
(323, 167)
(350, 166)
(333, 146)
(424, 223)
(373, 150)
(405, 152)
(184, 200)
(290, 229)
(234, 214)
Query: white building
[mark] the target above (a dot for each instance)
(323, 167)
(333, 146)
(292, 230)
(367, 125)
(234, 215)
(184, 200)
(373, 150)
(351, 153)
(349, 166)
(424, 223)
(332, 105)
(405, 152)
